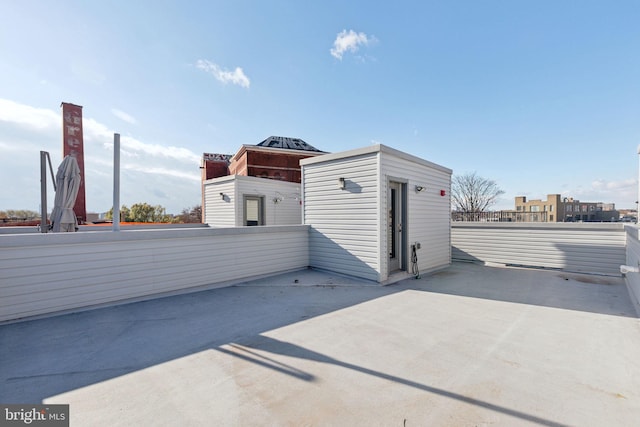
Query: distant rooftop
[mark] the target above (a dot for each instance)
(287, 143)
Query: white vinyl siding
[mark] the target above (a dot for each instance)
(281, 200)
(47, 273)
(349, 227)
(428, 213)
(344, 223)
(590, 248)
(220, 212)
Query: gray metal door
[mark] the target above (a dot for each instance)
(395, 202)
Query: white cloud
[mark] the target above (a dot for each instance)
(29, 117)
(603, 185)
(236, 77)
(349, 41)
(162, 171)
(147, 169)
(124, 116)
(98, 132)
(623, 192)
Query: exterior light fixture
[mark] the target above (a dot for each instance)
(222, 196)
(341, 183)
(420, 188)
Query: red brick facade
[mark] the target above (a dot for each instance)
(272, 163)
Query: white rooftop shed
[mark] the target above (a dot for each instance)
(237, 200)
(377, 213)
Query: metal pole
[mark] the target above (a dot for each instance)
(638, 200)
(116, 182)
(44, 227)
(53, 178)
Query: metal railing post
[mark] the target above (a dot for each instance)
(44, 227)
(116, 182)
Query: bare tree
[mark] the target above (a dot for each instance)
(472, 193)
(190, 215)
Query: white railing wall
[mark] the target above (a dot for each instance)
(633, 260)
(579, 247)
(48, 273)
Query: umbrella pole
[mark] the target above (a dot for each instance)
(44, 157)
(43, 192)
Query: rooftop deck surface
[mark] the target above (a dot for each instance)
(467, 346)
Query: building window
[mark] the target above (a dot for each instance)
(534, 208)
(550, 208)
(569, 208)
(253, 210)
(518, 208)
(550, 218)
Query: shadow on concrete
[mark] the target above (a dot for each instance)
(45, 357)
(548, 288)
(274, 346)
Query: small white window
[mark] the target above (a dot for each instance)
(253, 210)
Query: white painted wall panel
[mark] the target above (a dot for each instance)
(230, 212)
(344, 223)
(349, 227)
(428, 220)
(287, 209)
(219, 211)
(593, 248)
(46, 273)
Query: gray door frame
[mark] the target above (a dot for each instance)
(260, 209)
(397, 224)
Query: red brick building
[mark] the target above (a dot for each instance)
(276, 157)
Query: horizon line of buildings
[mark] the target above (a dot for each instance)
(554, 209)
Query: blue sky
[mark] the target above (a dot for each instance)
(540, 96)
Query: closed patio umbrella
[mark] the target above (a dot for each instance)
(67, 184)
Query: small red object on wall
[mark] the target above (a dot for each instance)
(443, 193)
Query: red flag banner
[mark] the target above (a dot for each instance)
(73, 145)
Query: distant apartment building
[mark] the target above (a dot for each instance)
(565, 209)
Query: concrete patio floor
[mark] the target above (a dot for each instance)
(467, 346)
